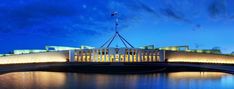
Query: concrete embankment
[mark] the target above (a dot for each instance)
(115, 67)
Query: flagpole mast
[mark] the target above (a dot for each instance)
(116, 15)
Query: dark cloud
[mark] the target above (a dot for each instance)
(147, 8)
(137, 7)
(171, 13)
(169, 10)
(180, 12)
(217, 8)
(196, 27)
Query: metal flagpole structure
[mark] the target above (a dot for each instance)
(124, 41)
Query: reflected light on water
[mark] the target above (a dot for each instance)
(201, 80)
(196, 75)
(29, 79)
(63, 80)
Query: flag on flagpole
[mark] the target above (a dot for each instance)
(114, 13)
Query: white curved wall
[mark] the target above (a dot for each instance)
(198, 57)
(35, 58)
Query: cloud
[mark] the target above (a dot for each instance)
(147, 8)
(197, 27)
(27, 16)
(59, 16)
(51, 17)
(171, 13)
(181, 12)
(137, 10)
(137, 6)
(217, 8)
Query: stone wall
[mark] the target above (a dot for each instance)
(35, 58)
(173, 56)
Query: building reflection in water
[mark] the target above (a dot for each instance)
(200, 80)
(196, 75)
(28, 80)
(173, 80)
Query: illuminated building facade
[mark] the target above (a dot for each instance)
(116, 55)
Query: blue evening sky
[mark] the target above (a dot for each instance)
(33, 24)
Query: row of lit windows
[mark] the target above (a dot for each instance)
(139, 57)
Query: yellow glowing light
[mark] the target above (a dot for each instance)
(196, 75)
(199, 58)
(34, 58)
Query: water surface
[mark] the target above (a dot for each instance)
(61, 80)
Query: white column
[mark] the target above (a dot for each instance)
(92, 55)
(120, 54)
(86, 55)
(114, 53)
(162, 56)
(124, 52)
(137, 55)
(100, 55)
(140, 54)
(109, 51)
(71, 55)
(128, 55)
(105, 55)
(143, 55)
(96, 55)
(155, 55)
(133, 55)
(152, 56)
(78, 55)
(82, 55)
(148, 55)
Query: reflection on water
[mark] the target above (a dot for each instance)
(196, 75)
(29, 79)
(174, 80)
